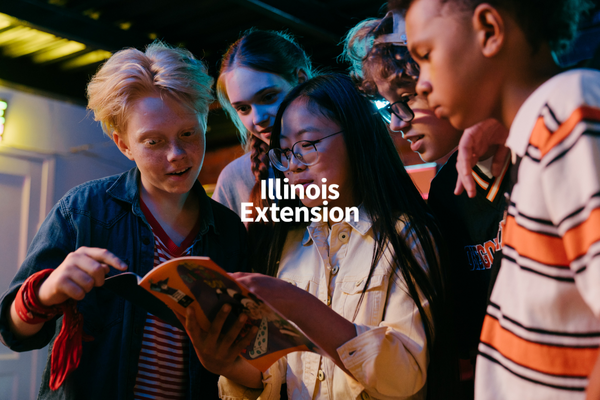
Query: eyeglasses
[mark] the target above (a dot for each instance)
(305, 152)
(400, 109)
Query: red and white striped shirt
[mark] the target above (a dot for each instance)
(163, 363)
(541, 334)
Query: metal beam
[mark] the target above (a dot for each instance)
(73, 25)
(289, 19)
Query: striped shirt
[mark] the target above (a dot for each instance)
(541, 333)
(163, 364)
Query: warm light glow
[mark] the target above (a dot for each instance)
(3, 106)
(89, 58)
(62, 49)
(30, 41)
(125, 25)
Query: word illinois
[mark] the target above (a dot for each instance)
(273, 190)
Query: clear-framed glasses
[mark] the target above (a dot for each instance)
(305, 151)
(400, 109)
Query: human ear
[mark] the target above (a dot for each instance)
(302, 76)
(489, 28)
(122, 144)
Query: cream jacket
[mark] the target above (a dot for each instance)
(388, 357)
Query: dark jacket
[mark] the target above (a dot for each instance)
(106, 213)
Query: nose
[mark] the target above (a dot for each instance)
(295, 165)
(397, 124)
(260, 116)
(424, 87)
(176, 152)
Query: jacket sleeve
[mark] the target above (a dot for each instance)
(273, 378)
(50, 246)
(390, 360)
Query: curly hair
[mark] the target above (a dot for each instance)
(130, 74)
(553, 22)
(369, 61)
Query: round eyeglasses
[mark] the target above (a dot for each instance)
(305, 151)
(400, 109)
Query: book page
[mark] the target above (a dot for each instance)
(199, 283)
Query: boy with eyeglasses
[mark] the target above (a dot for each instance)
(471, 227)
(540, 335)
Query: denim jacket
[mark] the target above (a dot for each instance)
(106, 213)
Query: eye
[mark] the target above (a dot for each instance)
(243, 110)
(187, 133)
(150, 142)
(269, 97)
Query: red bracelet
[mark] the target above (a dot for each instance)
(67, 348)
(27, 304)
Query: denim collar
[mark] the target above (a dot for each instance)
(126, 188)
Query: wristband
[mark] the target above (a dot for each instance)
(28, 306)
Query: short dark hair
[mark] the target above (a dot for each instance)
(369, 60)
(551, 21)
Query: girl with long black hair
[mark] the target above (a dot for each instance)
(369, 289)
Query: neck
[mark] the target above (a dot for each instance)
(176, 213)
(164, 202)
(527, 75)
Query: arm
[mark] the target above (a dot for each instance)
(286, 297)
(593, 389)
(79, 273)
(478, 143)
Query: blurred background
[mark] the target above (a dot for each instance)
(49, 142)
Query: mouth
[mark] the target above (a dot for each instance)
(303, 182)
(266, 132)
(415, 142)
(179, 172)
(414, 138)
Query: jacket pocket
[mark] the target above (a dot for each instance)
(369, 311)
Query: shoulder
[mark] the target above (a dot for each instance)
(235, 181)
(95, 190)
(442, 185)
(240, 167)
(573, 90)
(225, 219)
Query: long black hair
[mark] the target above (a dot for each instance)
(387, 194)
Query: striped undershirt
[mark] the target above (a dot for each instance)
(163, 364)
(541, 334)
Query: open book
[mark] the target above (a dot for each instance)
(199, 283)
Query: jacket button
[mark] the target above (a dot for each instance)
(335, 270)
(321, 375)
(146, 241)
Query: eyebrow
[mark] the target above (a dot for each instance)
(302, 131)
(260, 92)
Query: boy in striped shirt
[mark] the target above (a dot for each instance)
(495, 59)
(154, 106)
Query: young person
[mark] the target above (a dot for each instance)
(382, 67)
(540, 335)
(370, 289)
(154, 105)
(257, 71)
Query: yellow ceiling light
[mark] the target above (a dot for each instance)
(89, 58)
(124, 25)
(63, 48)
(33, 41)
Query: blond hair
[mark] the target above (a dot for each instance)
(161, 70)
